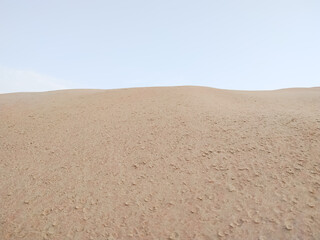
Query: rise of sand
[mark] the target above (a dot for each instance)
(160, 163)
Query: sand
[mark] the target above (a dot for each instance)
(160, 163)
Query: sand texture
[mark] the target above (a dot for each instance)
(160, 163)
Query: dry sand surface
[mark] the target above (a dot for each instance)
(160, 163)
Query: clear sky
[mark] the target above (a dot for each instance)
(252, 45)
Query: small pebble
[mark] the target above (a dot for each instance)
(231, 188)
(311, 204)
(51, 230)
(288, 225)
(256, 220)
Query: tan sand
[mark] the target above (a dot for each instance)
(160, 163)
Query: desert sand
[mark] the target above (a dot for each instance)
(160, 163)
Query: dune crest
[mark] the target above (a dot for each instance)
(160, 163)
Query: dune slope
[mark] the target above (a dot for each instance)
(160, 163)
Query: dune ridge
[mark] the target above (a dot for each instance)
(160, 163)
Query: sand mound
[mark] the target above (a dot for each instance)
(160, 163)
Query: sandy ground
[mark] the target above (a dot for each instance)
(160, 163)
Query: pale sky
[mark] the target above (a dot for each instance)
(245, 45)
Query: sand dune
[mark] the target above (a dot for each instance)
(160, 163)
